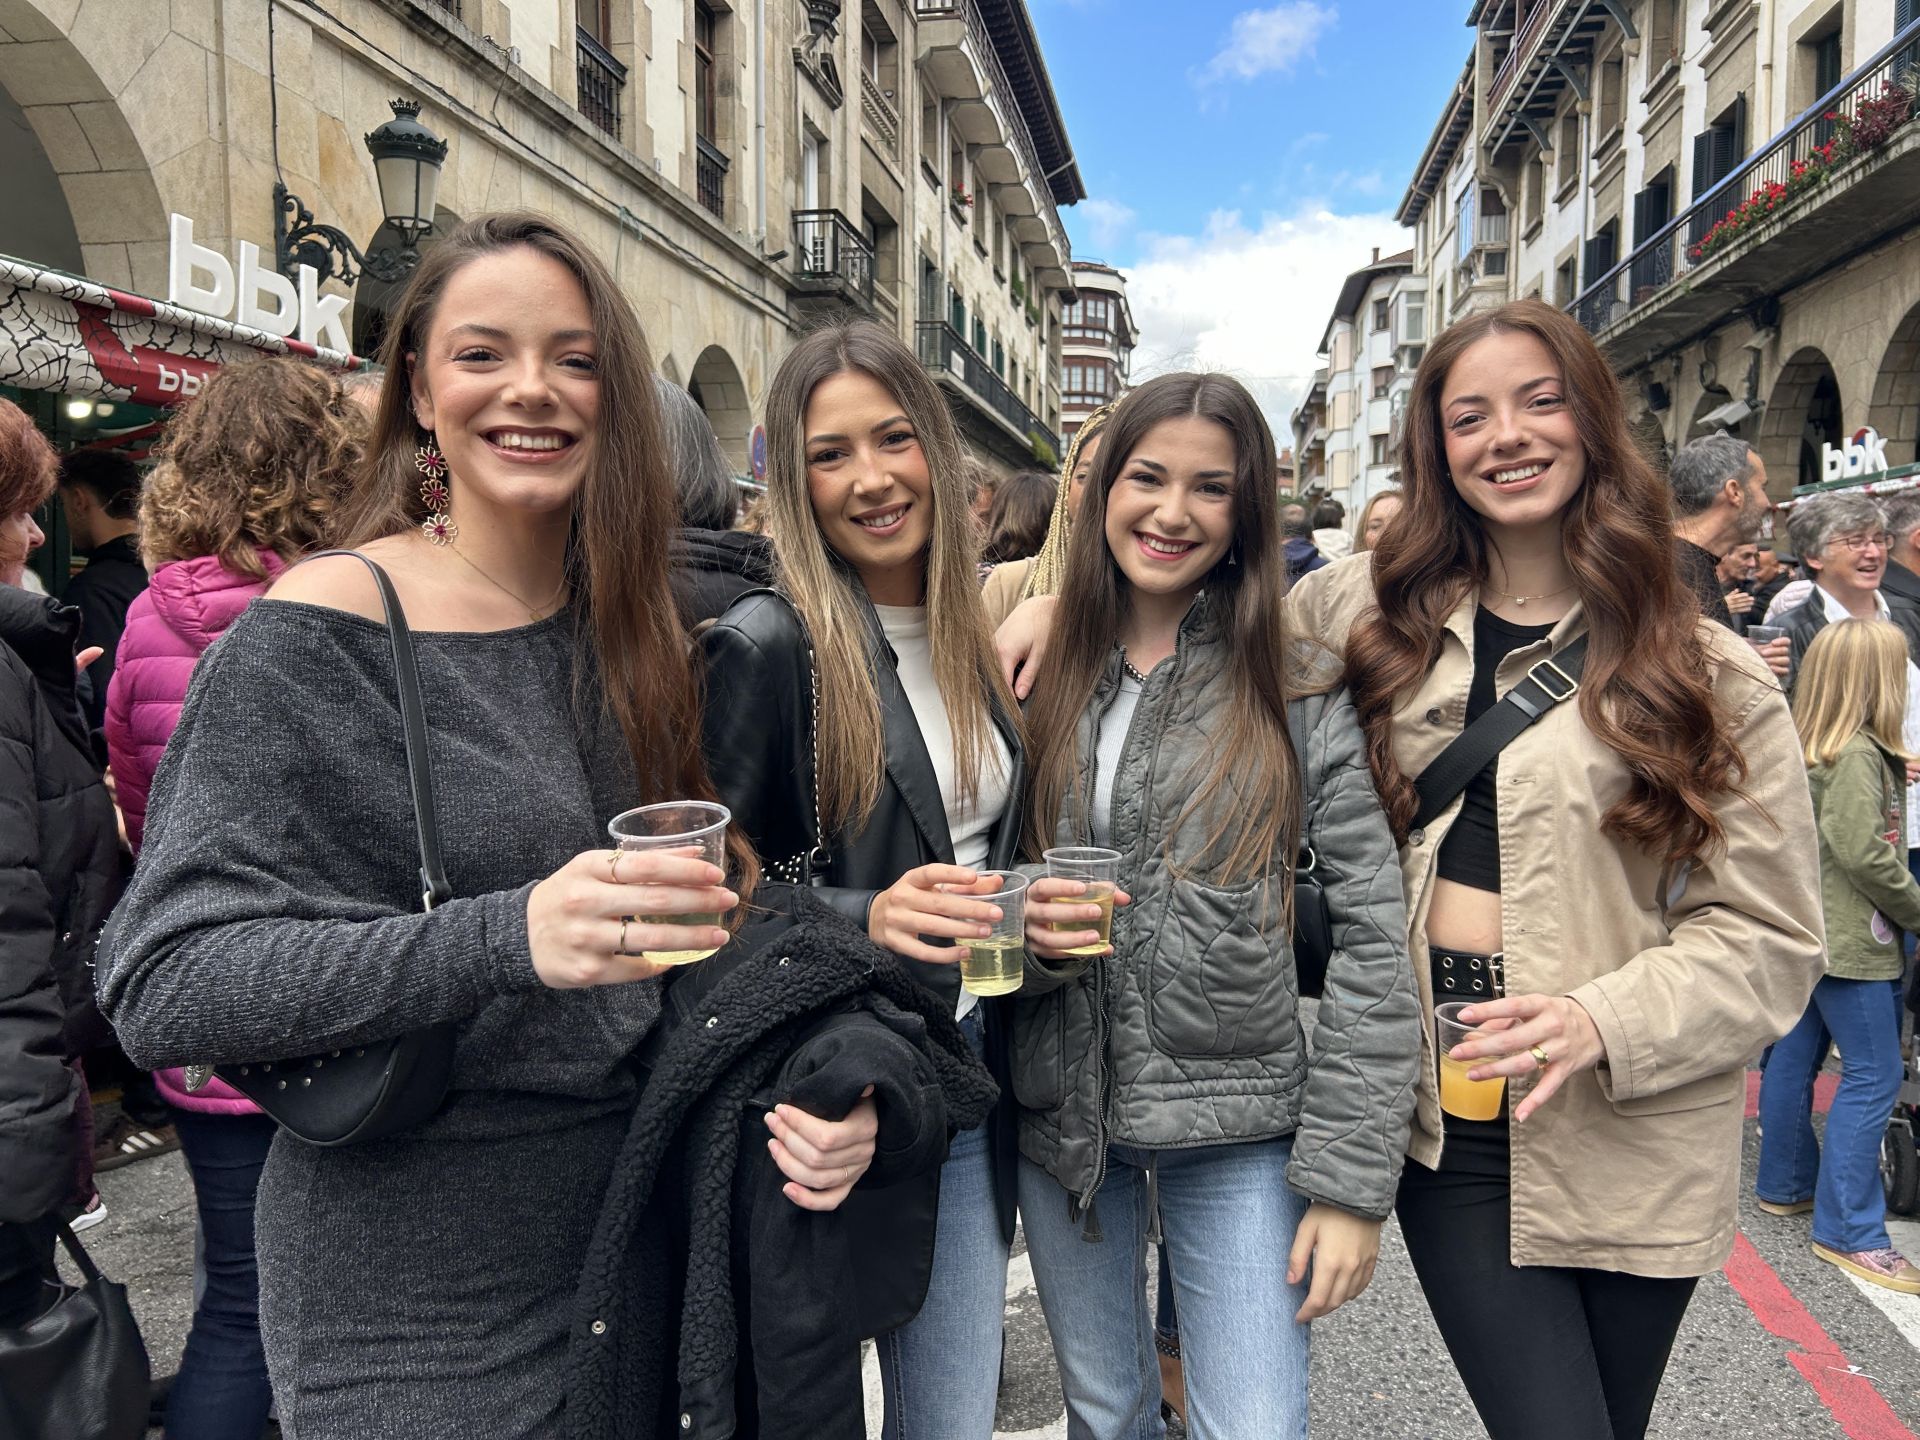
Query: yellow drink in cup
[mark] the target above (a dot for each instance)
(1460, 1097)
(1099, 870)
(695, 828)
(996, 963)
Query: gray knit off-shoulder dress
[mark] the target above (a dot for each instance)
(415, 1287)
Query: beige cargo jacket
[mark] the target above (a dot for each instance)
(1687, 972)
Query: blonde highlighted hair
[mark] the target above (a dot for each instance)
(258, 460)
(850, 744)
(1049, 568)
(1853, 678)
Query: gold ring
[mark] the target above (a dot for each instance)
(1540, 1056)
(625, 920)
(613, 867)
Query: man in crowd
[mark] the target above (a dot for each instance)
(100, 492)
(1903, 545)
(1770, 577)
(1719, 504)
(1735, 573)
(1298, 545)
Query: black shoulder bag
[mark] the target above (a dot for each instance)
(1545, 685)
(78, 1370)
(365, 1092)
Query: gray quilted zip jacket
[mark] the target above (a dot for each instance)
(1190, 1033)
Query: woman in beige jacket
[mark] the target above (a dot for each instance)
(1639, 861)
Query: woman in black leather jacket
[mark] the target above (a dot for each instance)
(889, 789)
(59, 876)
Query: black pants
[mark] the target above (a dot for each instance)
(1572, 1353)
(28, 1280)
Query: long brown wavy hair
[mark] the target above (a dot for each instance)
(828, 594)
(626, 624)
(1645, 692)
(258, 460)
(1249, 774)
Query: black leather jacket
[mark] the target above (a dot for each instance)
(759, 749)
(1808, 619)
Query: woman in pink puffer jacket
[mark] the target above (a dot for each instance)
(247, 480)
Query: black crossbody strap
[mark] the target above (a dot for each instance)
(434, 887)
(1550, 681)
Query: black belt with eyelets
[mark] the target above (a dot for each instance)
(1463, 975)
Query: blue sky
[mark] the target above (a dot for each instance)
(1241, 158)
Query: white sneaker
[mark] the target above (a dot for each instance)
(95, 1212)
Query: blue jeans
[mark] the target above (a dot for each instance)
(221, 1392)
(940, 1372)
(1843, 1178)
(1229, 1220)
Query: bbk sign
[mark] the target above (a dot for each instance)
(248, 293)
(1864, 454)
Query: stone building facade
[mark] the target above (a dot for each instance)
(744, 166)
(1097, 340)
(1347, 428)
(1724, 192)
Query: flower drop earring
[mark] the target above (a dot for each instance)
(438, 527)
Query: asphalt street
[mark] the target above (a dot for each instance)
(1777, 1345)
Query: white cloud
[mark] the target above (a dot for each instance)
(1269, 41)
(1250, 301)
(1107, 220)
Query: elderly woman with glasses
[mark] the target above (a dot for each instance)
(1842, 542)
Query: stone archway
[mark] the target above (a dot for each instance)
(1895, 411)
(670, 370)
(716, 385)
(1804, 411)
(76, 88)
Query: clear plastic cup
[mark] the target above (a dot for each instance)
(696, 828)
(1460, 1097)
(1099, 870)
(996, 963)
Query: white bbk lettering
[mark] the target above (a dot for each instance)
(248, 288)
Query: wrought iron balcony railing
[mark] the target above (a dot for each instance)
(710, 175)
(599, 79)
(1802, 160)
(942, 348)
(829, 250)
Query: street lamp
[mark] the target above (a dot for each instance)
(406, 161)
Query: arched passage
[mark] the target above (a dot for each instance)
(1895, 411)
(716, 385)
(1803, 413)
(114, 227)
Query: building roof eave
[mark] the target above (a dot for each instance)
(1355, 286)
(1456, 118)
(1019, 48)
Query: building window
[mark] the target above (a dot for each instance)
(1602, 253)
(1536, 188)
(1611, 88)
(1463, 227)
(710, 162)
(1381, 314)
(1414, 326)
(1717, 153)
(1566, 282)
(1382, 379)
(1568, 167)
(1379, 450)
(1663, 35)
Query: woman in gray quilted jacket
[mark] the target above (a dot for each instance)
(1176, 1061)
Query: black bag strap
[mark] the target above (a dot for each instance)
(1544, 686)
(78, 1252)
(434, 886)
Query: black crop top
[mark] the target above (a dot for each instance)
(1470, 855)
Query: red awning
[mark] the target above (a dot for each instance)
(72, 336)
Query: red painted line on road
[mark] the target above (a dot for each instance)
(1860, 1410)
(1823, 1088)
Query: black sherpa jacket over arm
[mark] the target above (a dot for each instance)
(710, 1305)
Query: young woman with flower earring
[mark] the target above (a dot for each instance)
(891, 786)
(277, 913)
(1636, 862)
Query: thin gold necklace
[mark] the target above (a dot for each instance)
(1521, 600)
(533, 613)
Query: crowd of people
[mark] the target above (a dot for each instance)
(1340, 775)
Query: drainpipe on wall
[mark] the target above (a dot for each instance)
(760, 121)
(1765, 41)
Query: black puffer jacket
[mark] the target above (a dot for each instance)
(710, 1306)
(60, 873)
